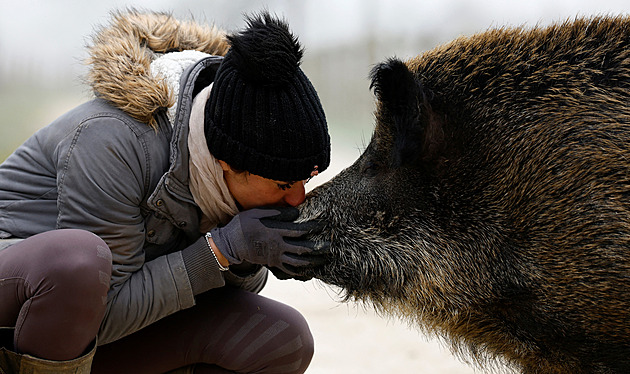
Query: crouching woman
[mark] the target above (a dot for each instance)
(137, 217)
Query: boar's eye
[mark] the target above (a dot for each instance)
(370, 168)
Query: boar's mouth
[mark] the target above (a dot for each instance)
(361, 261)
(308, 210)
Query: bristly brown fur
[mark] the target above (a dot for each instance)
(121, 53)
(492, 204)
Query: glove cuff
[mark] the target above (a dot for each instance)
(224, 245)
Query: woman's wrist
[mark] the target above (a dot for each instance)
(222, 261)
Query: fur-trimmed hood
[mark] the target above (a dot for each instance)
(121, 53)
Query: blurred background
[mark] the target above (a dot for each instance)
(41, 70)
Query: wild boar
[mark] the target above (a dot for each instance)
(492, 204)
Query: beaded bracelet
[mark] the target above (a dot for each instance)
(221, 267)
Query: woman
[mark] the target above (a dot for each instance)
(136, 216)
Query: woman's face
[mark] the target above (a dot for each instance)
(252, 191)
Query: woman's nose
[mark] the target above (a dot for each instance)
(296, 194)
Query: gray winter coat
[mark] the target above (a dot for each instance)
(101, 169)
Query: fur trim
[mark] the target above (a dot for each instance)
(121, 54)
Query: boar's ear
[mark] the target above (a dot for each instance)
(405, 108)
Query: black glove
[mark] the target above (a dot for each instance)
(304, 275)
(268, 236)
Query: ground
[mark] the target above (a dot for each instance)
(351, 339)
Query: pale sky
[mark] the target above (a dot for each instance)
(53, 32)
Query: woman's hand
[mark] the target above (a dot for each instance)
(268, 236)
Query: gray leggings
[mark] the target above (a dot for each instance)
(228, 331)
(53, 289)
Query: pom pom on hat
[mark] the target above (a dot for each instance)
(263, 114)
(266, 52)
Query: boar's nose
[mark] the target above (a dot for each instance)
(296, 194)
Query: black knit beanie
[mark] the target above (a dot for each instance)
(263, 114)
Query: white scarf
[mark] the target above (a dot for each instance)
(207, 184)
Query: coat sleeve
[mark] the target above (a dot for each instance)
(102, 180)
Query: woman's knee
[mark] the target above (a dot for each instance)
(299, 341)
(86, 253)
(72, 262)
(292, 346)
(65, 278)
(278, 338)
(83, 263)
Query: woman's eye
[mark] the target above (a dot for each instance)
(284, 186)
